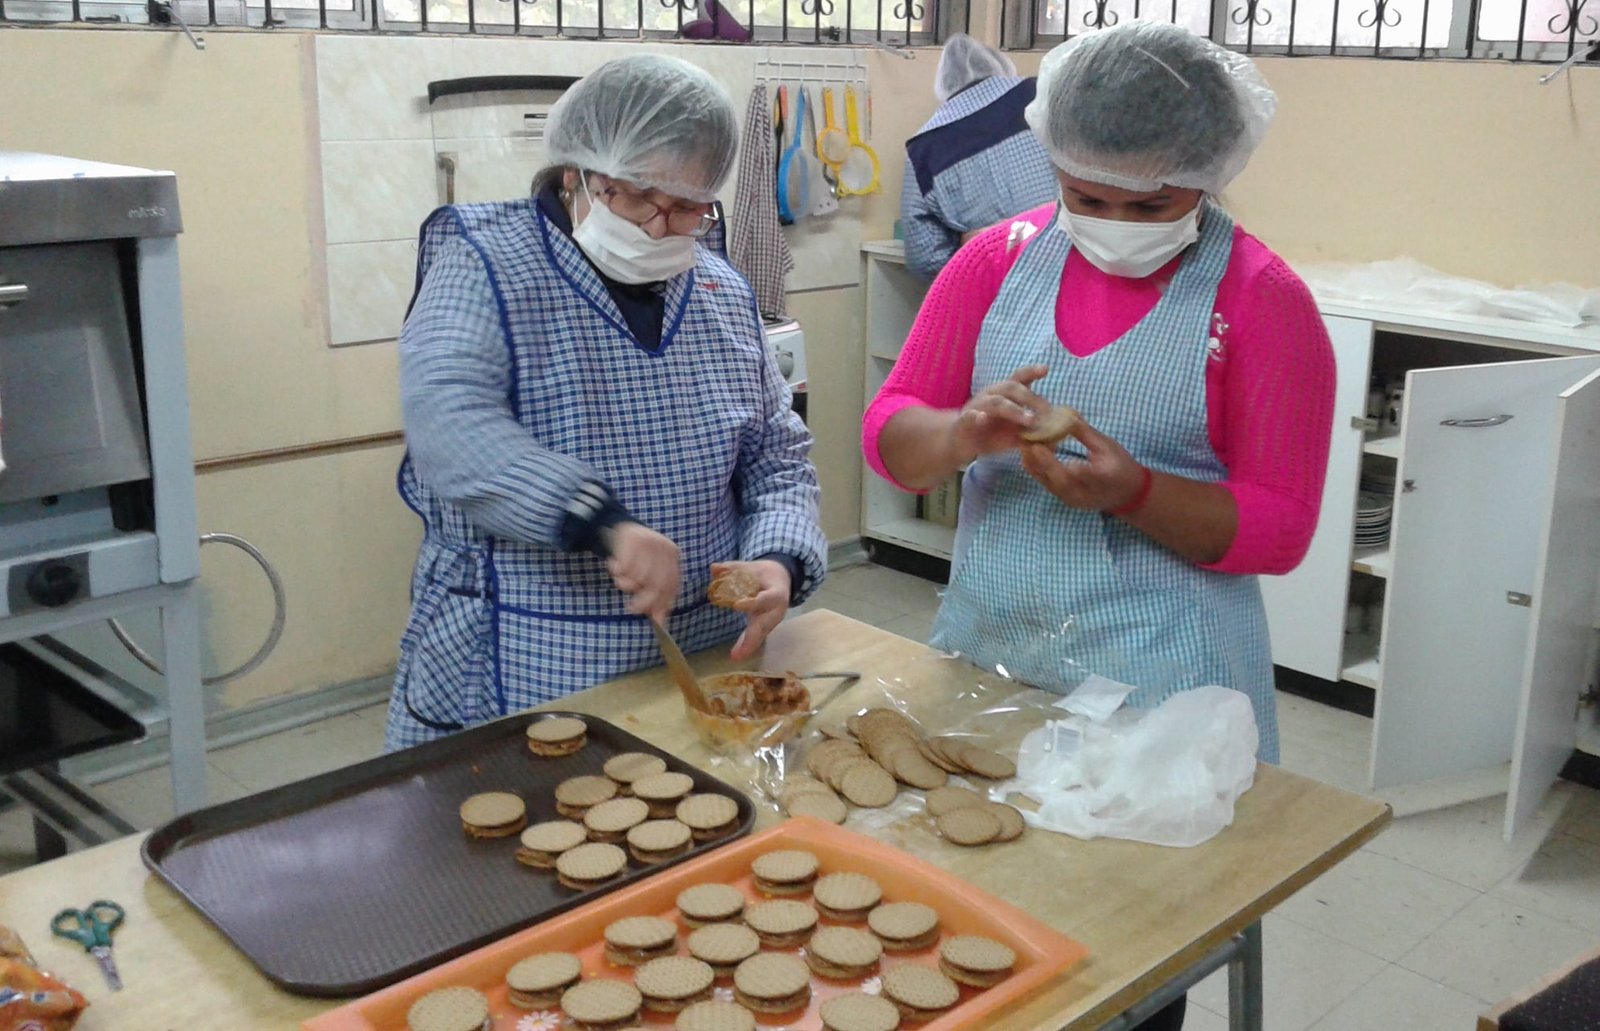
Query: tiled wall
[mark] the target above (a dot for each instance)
(380, 137)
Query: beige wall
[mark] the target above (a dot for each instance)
(1470, 167)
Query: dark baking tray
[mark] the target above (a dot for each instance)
(347, 882)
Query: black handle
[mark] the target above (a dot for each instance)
(53, 584)
(491, 83)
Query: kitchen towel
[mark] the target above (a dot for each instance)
(756, 246)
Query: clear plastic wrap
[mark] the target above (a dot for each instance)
(1409, 284)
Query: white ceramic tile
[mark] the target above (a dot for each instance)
(1325, 727)
(1398, 1000)
(1341, 771)
(1562, 880)
(847, 605)
(144, 799)
(1582, 816)
(888, 588)
(490, 115)
(1306, 973)
(376, 87)
(369, 285)
(1377, 904)
(292, 755)
(1493, 948)
(1198, 1018)
(1461, 843)
(377, 189)
(16, 840)
(917, 626)
(494, 169)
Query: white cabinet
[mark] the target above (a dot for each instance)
(1488, 581)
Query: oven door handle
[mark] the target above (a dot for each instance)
(13, 294)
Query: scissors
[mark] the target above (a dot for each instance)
(91, 928)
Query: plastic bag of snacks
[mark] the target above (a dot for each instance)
(30, 999)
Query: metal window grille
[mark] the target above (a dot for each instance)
(1521, 30)
(889, 23)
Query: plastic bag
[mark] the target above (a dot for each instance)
(1410, 284)
(1167, 776)
(30, 999)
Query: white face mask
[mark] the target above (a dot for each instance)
(625, 252)
(1130, 249)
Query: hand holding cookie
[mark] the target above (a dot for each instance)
(997, 416)
(1106, 480)
(758, 589)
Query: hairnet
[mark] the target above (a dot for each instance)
(966, 61)
(1149, 104)
(653, 120)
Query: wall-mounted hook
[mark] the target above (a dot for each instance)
(165, 12)
(1590, 51)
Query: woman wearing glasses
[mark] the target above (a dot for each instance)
(592, 417)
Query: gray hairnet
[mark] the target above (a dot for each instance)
(966, 61)
(1149, 104)
(656, 121)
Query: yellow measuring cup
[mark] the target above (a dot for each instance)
(859, 173)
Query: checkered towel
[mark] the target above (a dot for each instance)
(756, 245)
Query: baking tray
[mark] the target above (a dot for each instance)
(344, 883)
(1043, 953)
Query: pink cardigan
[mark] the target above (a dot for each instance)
(1269, 385)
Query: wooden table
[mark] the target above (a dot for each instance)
(1147, 914)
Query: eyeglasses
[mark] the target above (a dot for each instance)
(694, 220)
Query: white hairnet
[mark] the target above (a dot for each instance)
(653, 120)
(966, 61)
(1149, 104)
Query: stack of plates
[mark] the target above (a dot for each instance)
(1374, 508)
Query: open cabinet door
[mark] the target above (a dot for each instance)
(1563, 606)
(1475, 474)
(1305, 608)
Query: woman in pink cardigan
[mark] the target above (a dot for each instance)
(1197, 360)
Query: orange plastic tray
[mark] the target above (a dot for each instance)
(1042, 953)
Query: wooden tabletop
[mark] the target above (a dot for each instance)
(1144, 912)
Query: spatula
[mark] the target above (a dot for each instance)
(678, 666)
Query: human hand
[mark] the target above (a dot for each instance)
(991, 421)
(765, 610)
(1107, 478)
(645, 566)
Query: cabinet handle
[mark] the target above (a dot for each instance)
(12, 294)
(1477, 424)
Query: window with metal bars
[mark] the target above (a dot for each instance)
(887, 22)
(1540, 30)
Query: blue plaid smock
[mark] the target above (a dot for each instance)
(1052, 594)
(522, 384)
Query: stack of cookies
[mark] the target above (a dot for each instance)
(886, 749)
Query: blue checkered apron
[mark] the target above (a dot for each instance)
(1051, 594)
(498, 625)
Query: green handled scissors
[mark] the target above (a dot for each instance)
(91, 927)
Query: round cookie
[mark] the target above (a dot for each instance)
(859, 1011)
(772, 983)
(846, 897)
(450, 1009)
(920, 993)
(973, 960)
(493, 814)
(627, 767)
(868, 786)
(656, 841)
(1011, 822)
(1052, 427)
(575, 795)
(635, 940)
(843, 953)
(543, 843)
(829, 807)
(723, 946)
(602, 1004)
(782, 924)
(671, 983)
(591, 865)
(610, 821)
(943, 800)
(663, 791)
(715, 1016)
(537, 983)
(904, 926)
(729, 587)
(986, 764)
(710, 904)
(785, 872)
(709, 816)
(970, 825)
(556, 736)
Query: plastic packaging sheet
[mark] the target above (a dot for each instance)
(1410, 284)
(1086, 765)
